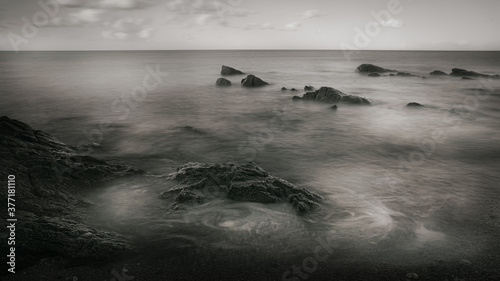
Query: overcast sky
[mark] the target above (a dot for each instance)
(249, 24)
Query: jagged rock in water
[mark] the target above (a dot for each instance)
(49, 175)
(406, 74)
(470, 74)
(332, 96)
(374, 74)
(198, 182)
(438, 73)
(370, 68)
(223, 82)
(414, 104)
(226, 70)
(308, 88)
(253, 81)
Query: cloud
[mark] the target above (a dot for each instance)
(263, 26)
(294, 26)
(203, 19)
(392, 23)
(309, 14)
(106, 4)
(127, 28)
(83, 17)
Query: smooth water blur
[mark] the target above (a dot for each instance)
(411, 182)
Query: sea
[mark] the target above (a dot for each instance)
(401, 185)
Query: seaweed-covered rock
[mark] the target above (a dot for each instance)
(226, 70)
(253, 81)
(332, 96)
(198, 182)
(370, 68)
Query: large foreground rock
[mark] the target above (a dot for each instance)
(48, 177)
(370, 68)
(253, 81)
(199, 182)
(467, 73)
(226, 70)
(332, 96)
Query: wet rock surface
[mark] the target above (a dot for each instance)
(49, 174)
(332, 96)
(252, 81)
(470, 74)
(227, 70)
(223, 82)
(199, 182)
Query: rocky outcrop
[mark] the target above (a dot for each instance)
(198, 182)
(48, 175)
(414, 104)
(308, 88)
(223, 82)
(331, 96)
(470, 74)
(438, 73)
(370, 68)
(226, 70)
(253, 81)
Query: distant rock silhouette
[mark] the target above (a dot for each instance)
(331, 96)
(283, 89)
(252, 81)
(370, 68)
(467, 78)
(414, 104)
(293, 90)
(226, 70)
(471, 74)
(406, 74)
(223, 82)
(438, 73)
(308, 88)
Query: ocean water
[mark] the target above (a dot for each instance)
(400, 185)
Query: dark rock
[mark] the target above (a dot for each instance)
(226, 70)
(49, 176)
(374, 74)
(293, 90)
(438, 73)
(370, 68)
(467, 73)
(334, 107)
(252, 81)
(467, 78)
(411, 276)
(283, 89)
(223, 82)
(332, 96)
(406, 74)
(392, 74)
(198, 182)
(308, 88)
(296, 98)
(414, 104)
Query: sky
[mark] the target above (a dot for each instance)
(249, 24)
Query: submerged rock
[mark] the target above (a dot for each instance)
(253, 81)
(283, 89)
(223, 82)
(467, 73)
(293, 90)
(406, 74)
(226, 70)
(370, 68)
(198, 182)
(49, 174)
(467, 78)
(438, 73)
(374, 74)
(414, 104)
(334, 107)
(332, 96)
